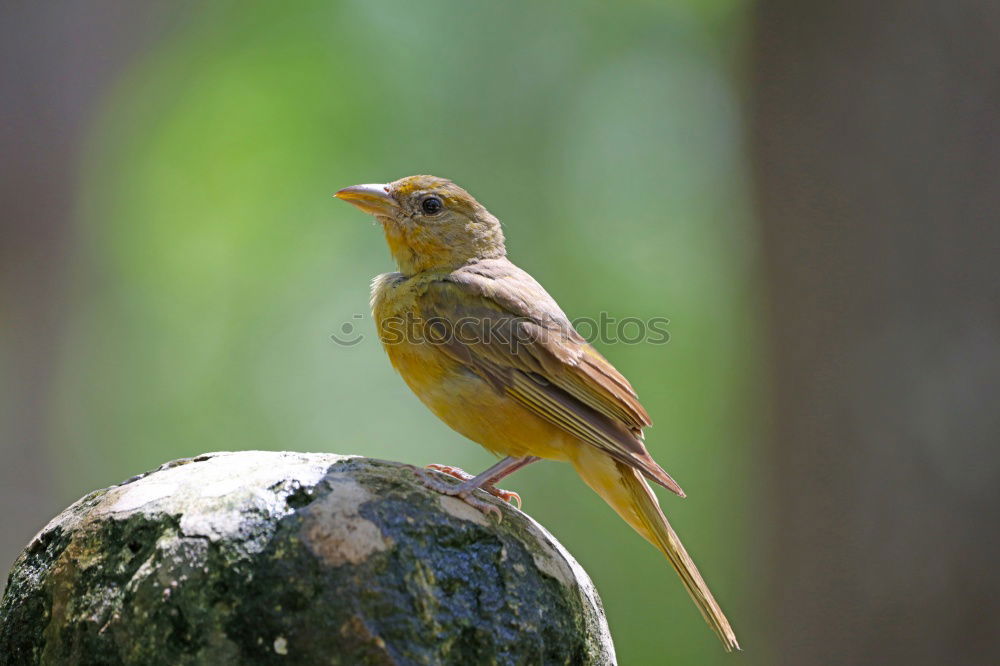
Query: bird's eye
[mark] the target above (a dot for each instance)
(431, 205)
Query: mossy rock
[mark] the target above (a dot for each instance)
(264, 557)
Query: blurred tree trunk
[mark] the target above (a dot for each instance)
(876, 149)
(56, 60)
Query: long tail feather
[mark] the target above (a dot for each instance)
(629, 494)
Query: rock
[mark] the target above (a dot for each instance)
(264, 557)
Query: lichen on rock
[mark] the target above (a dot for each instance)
(276, 557)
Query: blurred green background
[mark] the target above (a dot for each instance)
(214, 265)
(187, 299)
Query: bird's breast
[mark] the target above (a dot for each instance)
(402, 332)
(452, 391)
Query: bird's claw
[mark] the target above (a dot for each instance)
(437, 485)
(463, 491)
(482, 505)
(506, 495)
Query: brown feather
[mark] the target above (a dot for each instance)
(538, 358)
(630, 496)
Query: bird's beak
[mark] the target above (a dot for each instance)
(371, 198)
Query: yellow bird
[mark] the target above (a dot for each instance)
(485, 347)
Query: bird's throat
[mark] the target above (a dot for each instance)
(416, 251)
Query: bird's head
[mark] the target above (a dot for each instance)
(430, 223)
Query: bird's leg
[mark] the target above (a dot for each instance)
(462, 475)
(484, 481)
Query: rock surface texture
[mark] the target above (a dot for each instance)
(265, 557)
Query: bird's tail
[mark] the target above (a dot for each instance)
(628, 493)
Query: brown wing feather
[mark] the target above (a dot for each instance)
(517, 339)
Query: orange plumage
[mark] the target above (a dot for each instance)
(486, 348)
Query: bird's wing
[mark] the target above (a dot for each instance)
(497, 321)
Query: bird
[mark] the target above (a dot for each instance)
(490, 353)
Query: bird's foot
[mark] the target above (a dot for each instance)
(463, 491)
(462, 475)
